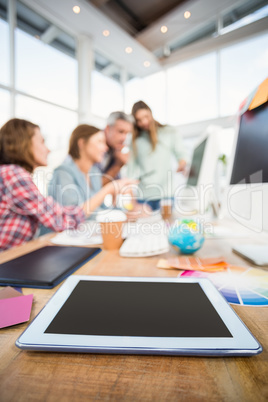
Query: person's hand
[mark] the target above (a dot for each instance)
(121, 158)
(181, 166)
(138, 211)
(121, 186)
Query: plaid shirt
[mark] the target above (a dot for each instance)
(23, 208)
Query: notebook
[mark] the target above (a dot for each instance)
(45, 267)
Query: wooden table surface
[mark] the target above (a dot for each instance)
(43, 376)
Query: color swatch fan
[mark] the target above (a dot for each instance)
(239, 285)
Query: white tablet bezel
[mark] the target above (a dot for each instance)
(242, 342)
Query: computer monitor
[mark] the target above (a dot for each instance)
(252, 147)
(247, 196)
(197, 159)
(201, 186)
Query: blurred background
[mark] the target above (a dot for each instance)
(65, 62)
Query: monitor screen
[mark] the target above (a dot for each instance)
(196, 163)
(251, 161)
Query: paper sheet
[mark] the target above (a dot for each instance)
(261, 95)
(193, 264)
(72, 238)
(87, 234)
(14, 307)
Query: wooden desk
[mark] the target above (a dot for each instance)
(36, 376)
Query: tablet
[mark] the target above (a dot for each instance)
(170, 316)
(45, 267)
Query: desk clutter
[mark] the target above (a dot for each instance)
(239, 285)
(143, 238)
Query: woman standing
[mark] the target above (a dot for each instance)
(153, 146)
(22, 206)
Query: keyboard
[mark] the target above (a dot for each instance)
(144, 246)
(148, 239)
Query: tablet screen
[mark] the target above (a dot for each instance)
(116, 308)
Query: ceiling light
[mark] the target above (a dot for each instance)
(76, 9)
(106, 32)
(187, 15)
(146, 64)
(128, 50)
(164, 29)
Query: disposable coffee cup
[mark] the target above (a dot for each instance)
(111, 225)
(166, 208)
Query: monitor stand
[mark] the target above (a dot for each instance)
(189, 204)
(214, 204)
(255, 253)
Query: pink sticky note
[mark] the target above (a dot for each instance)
(15, 310)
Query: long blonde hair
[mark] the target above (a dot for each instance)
(153, 126)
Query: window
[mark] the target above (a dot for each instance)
(4, 106)
(192, 90)
(107, 95)
(243, 67)
(56, 123)
(44, 72)
(133, 93)
(4, 51)
(152, 90)
(155, 95)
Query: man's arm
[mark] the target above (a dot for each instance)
(111, 173)
(120, 160)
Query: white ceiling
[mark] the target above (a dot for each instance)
(149, 44)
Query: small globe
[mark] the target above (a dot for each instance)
(187, 236)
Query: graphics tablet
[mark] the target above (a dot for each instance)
(45, 267)
(170, 316)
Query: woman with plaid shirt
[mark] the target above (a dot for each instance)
(22, 207)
